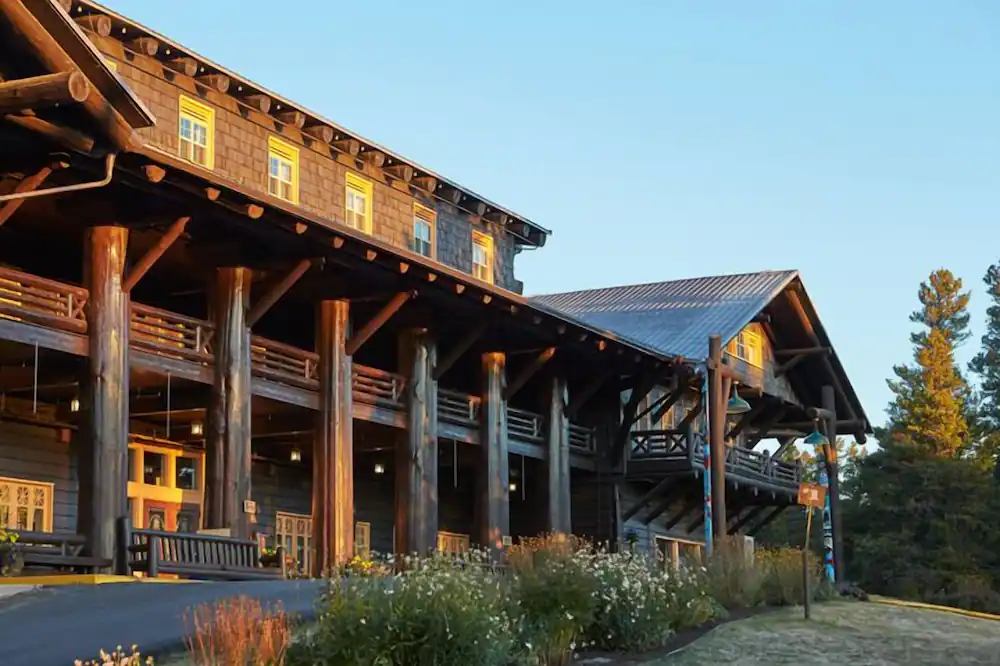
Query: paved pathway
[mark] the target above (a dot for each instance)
(53, 626)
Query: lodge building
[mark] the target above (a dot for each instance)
(222, 311)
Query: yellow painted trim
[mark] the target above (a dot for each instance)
(429, 216)
(48, 515)
(85, 579)
(367, 188)
(922, 606)
(484, 241)
(195, 111)
(289, 153)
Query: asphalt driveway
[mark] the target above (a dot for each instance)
(53, 626)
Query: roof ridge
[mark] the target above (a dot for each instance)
(788, 272)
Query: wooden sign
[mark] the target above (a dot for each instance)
(249, 506)
(812, 495)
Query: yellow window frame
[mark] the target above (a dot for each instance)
(10, 499)
(196, 112)
(363, 540)
(484, 241)
(366, 188)
(452, 543)
(752, 342)
(284, 151)
(428, 216)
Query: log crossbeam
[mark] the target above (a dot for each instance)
(28, 184)
(646, 382)
(528, 372)
(41, 92)
(645, 499)
(747, 518)
(463, 345)
(686, 509)
(154, 253)
(275, 293)
(579, 398)
(747, 419)
(377, 322)
(764, 428)
(785, 444)
(767, 520)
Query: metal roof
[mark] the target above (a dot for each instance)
(675, 317)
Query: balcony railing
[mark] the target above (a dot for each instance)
(32, 299)
(170, 334)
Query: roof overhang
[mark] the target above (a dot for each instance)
(61, 46)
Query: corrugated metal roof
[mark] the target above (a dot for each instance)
(675, 318)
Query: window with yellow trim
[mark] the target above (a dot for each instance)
(282, 170)
(196, 131)
(293, 531)
(482, 257)
(359, 203)
(748, 346)
(26, 505)
(450, 543)
(363, 540)
(424, 220)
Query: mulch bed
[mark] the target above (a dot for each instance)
(676, 642)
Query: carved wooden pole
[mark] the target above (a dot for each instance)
(333, 446)
(829, 398)
(417, 467)
(227, 439)
(559, 518)
(104, 422)
(494, 522)
(716, 432)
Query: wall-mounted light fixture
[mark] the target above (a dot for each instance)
(379, 468)
(295, 455)
(74, 405)
(196, 428)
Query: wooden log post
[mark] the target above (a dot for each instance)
(494, 487)
(559, 518)
(227, 434)
(716, 436)
(103, 467)
(333, 444)
(829, 398)
(417, 454)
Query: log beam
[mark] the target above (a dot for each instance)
(764, 428)
(378, 321)
(646, 498)
(746, 519)
(579, 398)
(43, 92)
(458, 350)
(783, 445)
(665, 503)
(104, 418)
(154, 253)
(333, 447)
(717, 444)
(494, 488)
(686, 508)
(274, 294)
(228, 426)
(802, 351)
(528, 372)
(557, 441)
(417, 459)
(746, 420)
(768, 519)
(643, 386)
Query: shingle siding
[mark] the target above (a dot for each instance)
(241, 157)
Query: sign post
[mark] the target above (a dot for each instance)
(811, 496)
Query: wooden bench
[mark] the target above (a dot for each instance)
(197, 556)
(63, 552)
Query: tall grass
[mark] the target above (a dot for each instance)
(238, 632)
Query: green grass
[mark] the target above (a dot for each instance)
(858, 634)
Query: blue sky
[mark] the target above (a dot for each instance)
(856, 141)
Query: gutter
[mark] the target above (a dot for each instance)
(109, 166)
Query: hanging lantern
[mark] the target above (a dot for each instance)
(74, 405)
(379, 468)
(295, 455)
(816, 438)
(196, 428)
(737, 405)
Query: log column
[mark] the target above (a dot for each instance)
(494, 487)
(417, 454)
(227, 435)
(103, 457)
(558, 454)
(829, 398)
(716, 437)
(333, 445)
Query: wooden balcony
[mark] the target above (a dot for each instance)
(675, 452)
(49, 314)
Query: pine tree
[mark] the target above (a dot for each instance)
(986, 364)
(931, 410)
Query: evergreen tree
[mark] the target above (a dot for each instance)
(931, 410)
(986, 365)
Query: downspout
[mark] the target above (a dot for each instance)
(109, 166)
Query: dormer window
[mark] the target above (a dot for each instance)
(423, 230)
(196, 131)
(282, 170)
(482, 257)
(358, 208)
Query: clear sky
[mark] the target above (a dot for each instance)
(854, 140)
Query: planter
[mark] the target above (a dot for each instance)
(11, 560)
(270, 561)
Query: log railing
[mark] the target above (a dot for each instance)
(581, 438)
(458, 408)
(283, 363)
(377, 387)
(36, 300)
(170, 334)
(524, 425)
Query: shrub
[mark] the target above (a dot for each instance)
(733, 576)
(781, 570)
(238, 632)
(117, 658)
(432, 613)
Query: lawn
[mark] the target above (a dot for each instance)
(860, 634)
